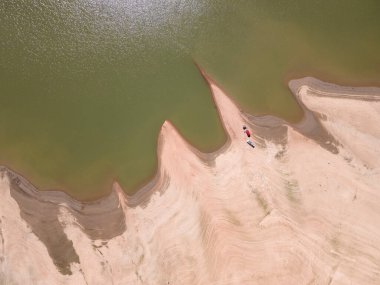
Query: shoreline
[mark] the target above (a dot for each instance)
(235, 193)
(306, 123)
(268, 120)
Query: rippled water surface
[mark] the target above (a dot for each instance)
(86, 84)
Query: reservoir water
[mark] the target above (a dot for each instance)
(86, 84)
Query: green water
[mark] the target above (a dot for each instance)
(86, 84)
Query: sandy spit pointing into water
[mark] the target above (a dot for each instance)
(300, 208)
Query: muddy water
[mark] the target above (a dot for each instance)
(85, 85)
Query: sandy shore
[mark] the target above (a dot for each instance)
(300, 208)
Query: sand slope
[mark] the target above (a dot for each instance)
(303, 207)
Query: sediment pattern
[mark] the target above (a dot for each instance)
(300, 208)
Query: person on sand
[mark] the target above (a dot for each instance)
(246, 131)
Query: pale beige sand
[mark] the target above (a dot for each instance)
(290, 211)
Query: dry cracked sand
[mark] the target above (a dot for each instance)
(303, 207)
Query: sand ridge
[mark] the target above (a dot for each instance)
(294, 210)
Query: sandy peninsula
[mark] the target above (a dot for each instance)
(303, 207)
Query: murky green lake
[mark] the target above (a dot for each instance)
(86, 84)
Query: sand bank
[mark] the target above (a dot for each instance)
(300, 208)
